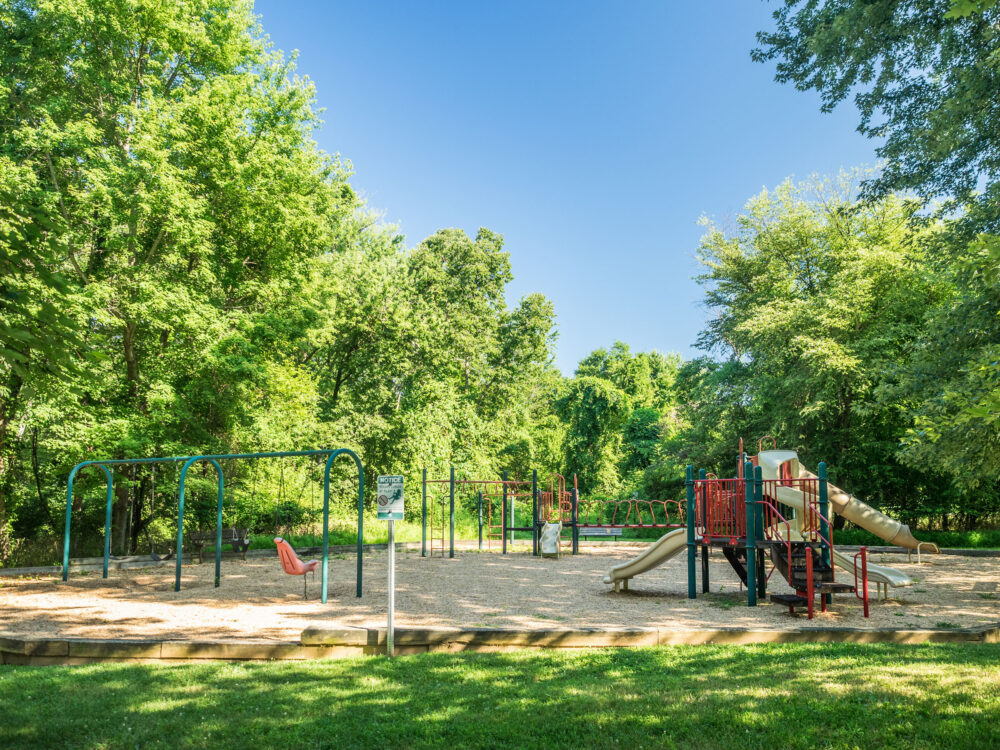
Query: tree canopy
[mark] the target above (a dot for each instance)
(183, 271)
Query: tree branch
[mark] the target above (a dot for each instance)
(65, 215)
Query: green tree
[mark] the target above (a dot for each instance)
(169, 149)
(595, 411)
(925, 80)
(817, 301)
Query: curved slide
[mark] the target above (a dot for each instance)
(663, 549)
(841, 503)
(876, 573)
(852, 509)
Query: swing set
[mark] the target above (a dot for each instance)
(215, 461)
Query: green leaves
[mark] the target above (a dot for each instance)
(923, 76)
(817, 300)
(965, 8)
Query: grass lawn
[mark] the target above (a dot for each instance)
(775, 696)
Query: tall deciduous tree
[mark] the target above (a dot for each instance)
(819, 299)
(925, 76)
(926, 83)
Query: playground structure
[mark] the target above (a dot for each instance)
(786, 514)
(775, 508)
(772, 508)
(215, 461)
(500, 502)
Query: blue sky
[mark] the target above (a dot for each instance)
(592, 135)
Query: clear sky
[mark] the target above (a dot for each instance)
(592, 135)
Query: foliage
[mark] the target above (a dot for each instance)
(614, 411)
(159, 171)
(953, 377)
(818, 300)
(925, 78)
(924, 81)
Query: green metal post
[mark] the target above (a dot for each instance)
(107, 525)
(326, 518)
(480, 504)
(758, 495)
(534, 512)
(451, 536)
(751, 534)
(504, 515)
(69, 517)
(692, 547)
(180, 520)
(824, 527)
(702, 474)
(576, 523)
(180, 526)
(218, 525)
(423, 517)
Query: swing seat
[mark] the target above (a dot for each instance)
(292, 565)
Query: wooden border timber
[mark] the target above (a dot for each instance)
(338, 643)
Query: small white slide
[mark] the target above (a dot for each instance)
(663, 549)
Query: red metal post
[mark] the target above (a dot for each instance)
(809, 578)
(864, 577)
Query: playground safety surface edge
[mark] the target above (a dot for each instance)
(337, 643)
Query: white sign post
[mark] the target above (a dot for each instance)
(390, 508)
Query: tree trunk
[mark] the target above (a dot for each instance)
(131, 360)
(119, 515)
(138, 524)
(35, 469)
(8, 410)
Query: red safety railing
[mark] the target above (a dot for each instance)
(772, 521)
(721, 507)
(810, 590)
(811, 526)
(633, 513)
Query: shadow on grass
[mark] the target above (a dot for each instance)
(790, 696)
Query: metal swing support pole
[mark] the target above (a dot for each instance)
(479, 502)
(534, 512)
(504, 516)
(180, 521)
(423, 517)
(451, 515)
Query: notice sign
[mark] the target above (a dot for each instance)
(390, 498)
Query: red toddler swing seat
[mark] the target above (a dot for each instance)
(292, 565)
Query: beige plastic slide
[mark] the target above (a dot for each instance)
(663, 549)
(848, 506)
(879, 574)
